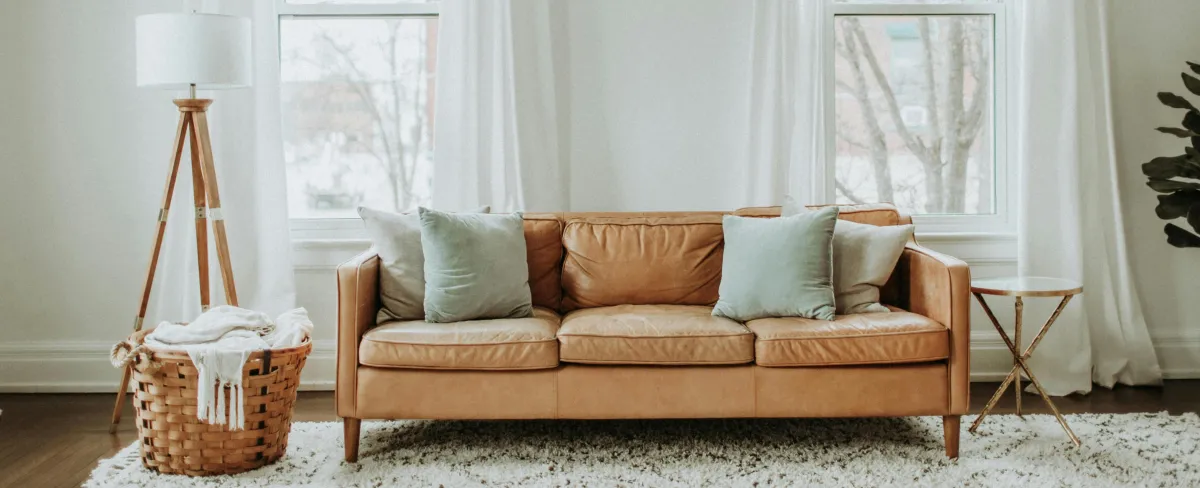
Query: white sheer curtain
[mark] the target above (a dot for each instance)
(787, 109)
(248, 153)
(1071, 224)
(496, 136)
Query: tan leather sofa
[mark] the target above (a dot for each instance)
(623, 329)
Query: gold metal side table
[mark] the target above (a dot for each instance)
(1020, 287)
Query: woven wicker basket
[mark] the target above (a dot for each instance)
(174, 441)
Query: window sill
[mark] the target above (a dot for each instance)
(325, 254)
(976, 248)
(960, 237)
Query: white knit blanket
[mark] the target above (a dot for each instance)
(219, 342)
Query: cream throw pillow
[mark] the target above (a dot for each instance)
(397, 238)
(864, 257)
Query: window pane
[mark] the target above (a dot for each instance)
(914, 112)
(357, 113)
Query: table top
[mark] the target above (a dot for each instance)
(1026, 286)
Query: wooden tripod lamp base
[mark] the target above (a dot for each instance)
(193, 127)
(190, 51)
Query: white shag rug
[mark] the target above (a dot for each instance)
(1118, 450)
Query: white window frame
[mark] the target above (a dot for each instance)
(1003, 220)
(341, 229)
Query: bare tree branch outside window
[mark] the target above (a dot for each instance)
(357, 112)
(913, 111)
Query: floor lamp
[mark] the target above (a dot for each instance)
(190, 51)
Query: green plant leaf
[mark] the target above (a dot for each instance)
(1180, 133)
(1196, 143)
(1192, 154)
(1194, 217)
(1192, 83)
(1179, 237)
(1195, 67)
(1171, 167)
(1174, 101)
(1191, 121)
(1178, 204)
(1167, 186)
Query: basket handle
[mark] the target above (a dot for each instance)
(126, 354)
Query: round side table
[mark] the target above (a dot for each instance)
(1020, 287)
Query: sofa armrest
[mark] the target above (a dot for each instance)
(358, 302)
(939, 287)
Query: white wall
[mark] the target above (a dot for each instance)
(653, 120)
(658, 103)
(77, 166)
(1149, 47)
(82, 158)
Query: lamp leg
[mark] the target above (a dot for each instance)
(200, 133)
(200, 200)
(160, 228)
(1020, 312)
(116, 415)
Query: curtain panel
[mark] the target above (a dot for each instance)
(497, 129)
(787, 108)
(1070, 219)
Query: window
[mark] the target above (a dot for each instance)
(357, 92)
(916, 111)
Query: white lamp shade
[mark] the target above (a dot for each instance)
(207, 50)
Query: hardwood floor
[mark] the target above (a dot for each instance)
(56, 440)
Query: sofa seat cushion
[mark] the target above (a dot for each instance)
(503, 344)
(653, 334)
(870, 338)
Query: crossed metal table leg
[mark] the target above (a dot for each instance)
(1014, 376)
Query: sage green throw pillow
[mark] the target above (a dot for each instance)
(397, 239)
(778, 267)
(475, 266)
(864, 257)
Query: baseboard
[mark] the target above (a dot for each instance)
(110, 386)
(83, 367)
(1179, 357)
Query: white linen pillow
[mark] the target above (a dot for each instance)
(397, 239)
(864, 257)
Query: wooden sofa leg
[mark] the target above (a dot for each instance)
(350, 428)
(950, 423)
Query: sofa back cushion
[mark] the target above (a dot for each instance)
(641, 259)
(543, 245)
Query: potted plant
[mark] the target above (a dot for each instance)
(1177, 178)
